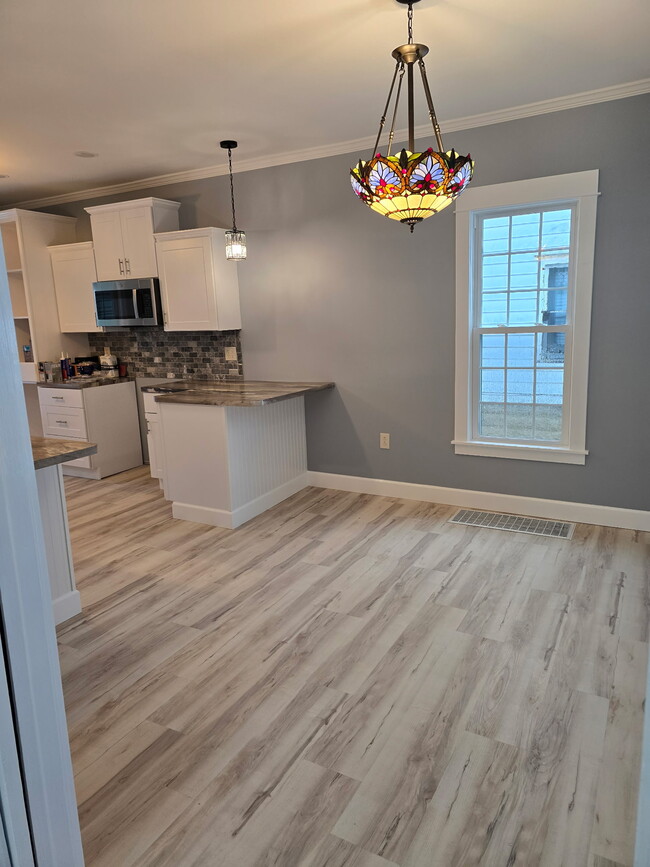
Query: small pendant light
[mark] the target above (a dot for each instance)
(235, 240)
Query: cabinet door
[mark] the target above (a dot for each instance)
(155, 446)
(74, 273)
(188, 285)
(137, 238)
(107, 240)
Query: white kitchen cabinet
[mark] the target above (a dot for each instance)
(154, 435)
(123, 236)
(74, 272)
(104, 414)
(199, 286)
(25, 237)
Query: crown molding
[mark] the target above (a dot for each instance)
(546, 106)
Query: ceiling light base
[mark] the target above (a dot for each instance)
(411, 52)
(228, 144)
(408, 2)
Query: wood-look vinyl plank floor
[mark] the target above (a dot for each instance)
(350, 681)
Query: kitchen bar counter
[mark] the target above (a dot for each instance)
(241, 393)
(48, 452)
(228, 450)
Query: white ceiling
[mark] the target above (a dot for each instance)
(153, 85)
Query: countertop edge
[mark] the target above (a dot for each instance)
(230, 398)
(70, 450)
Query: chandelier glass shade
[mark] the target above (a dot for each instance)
(410, 186)
(235, 238)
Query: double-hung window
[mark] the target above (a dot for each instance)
(524, 259)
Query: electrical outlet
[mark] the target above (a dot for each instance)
(231, 353)
(384, 441)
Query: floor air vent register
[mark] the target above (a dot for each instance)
(514, 523)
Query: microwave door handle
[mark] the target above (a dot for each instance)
(135, 304)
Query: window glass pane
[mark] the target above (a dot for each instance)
(525, 253)
(525, 231)
(492, 420)
(493, 350)
(495, 309)
(556, 229)
(521, 386)
(521, 350)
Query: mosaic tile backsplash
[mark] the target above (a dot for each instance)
(156, 352)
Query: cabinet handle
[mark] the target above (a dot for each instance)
(127, 266)
(61, 421)
(148, 428)
(56, 397)
(121, 266)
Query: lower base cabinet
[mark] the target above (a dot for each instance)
(106, 415)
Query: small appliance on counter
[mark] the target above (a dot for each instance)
(86, 365)
(109, 365)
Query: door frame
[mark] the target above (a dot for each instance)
(30, 638)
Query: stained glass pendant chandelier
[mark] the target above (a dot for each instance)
(235, 239)
(410, 186)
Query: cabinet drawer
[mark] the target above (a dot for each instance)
(60, 397)
(63, 421)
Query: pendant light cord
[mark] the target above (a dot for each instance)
(232, 191)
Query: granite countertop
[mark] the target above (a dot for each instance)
(87, 382)
(49, 451)
(242, 393)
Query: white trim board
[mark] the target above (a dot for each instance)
(545, 106)
(559, 510)
(242, 514)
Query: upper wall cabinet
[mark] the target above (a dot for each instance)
(73, 268)
(123, 236)
(25, 237)
(199, 286)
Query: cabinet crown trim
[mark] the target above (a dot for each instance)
(134, 203)
(16, 214)
(204, 232)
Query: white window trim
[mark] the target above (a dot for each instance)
(581, 189)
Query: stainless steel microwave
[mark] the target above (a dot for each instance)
(127, 302)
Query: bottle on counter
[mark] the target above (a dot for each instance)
(66, 367)
(108, 364)
(28, 354)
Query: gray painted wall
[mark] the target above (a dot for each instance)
(333, 291)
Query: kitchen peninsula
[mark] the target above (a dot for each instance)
(228, 451)
(48, 454)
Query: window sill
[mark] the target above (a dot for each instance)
(520, 452)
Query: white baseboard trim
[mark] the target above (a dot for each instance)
(271, 498)
(66, 606)
(560, 510)
(242, 514)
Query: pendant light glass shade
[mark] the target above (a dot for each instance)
(235, 238)
(410, 186)
(235, 244)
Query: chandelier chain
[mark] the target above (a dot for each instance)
(410, 24)
(232, 191)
